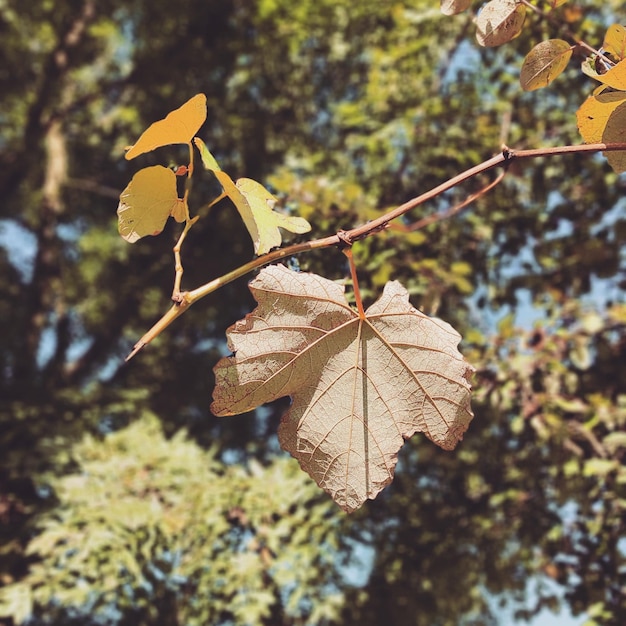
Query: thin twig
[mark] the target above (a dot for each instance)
(187, 298)
(451, 212)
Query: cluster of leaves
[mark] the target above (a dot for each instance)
(158, 522)
(602, 117)
(152, 195)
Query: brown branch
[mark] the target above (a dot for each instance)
(348, 237)
(451, 212)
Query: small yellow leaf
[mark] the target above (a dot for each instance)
(554, 4)
(615, 41)
(602, 118)
(146, 203)
(452, 7)
(544, 63)
(180, 212)
(262, 202)
(178, 127)
(615, 77)
(499, 21)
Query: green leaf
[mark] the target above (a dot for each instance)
(614, 440)
(178, 127)
(262, 202)
(146, 203)
(208, 160)
(255, 205)
(499, 21)
(599, 467)
(544, 63)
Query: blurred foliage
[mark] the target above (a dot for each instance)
(150, 530)
(344, 109)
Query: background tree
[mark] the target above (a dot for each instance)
(343, 110)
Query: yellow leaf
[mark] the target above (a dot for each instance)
(255, 205)
(554, 4)
(544, 63)
(615, 77)
(146, 203)
(262, 202)
(241, 204)
(499, 21)
(615, 41)
(602, 119)
(178, 127)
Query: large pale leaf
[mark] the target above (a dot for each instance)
(146, 203)
(602, 118)
(268, 221)
(178, 127)
(499, 21)
(359, 387)
(544, 63)
(452, 7)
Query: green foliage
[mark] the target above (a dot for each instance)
(345, 109)
(157, 524)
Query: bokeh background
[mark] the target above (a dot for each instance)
(123, 501)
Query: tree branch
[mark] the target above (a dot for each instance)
(348, 237)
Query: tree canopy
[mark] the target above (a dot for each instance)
(123, 499)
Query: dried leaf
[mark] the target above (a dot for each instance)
(178, 127)
(615, 41)
(544, 63)
(499, 21)
(359, 387)
(452, 7)
(602, 118)
(146, 203)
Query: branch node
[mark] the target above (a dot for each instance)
(507, 153)
(345, 239)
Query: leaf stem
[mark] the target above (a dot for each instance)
(178, 265)
(355, 283)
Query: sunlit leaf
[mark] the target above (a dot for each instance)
(615, 41)
(146, 203)
(615, 77)
(544, 63)
(262, 202)
(255, 205)
(452, 7)
(499, 21)
(359, 387)
(208, 160)
(241, 204)
(554, 4)
(178, 127)
(602, 118)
